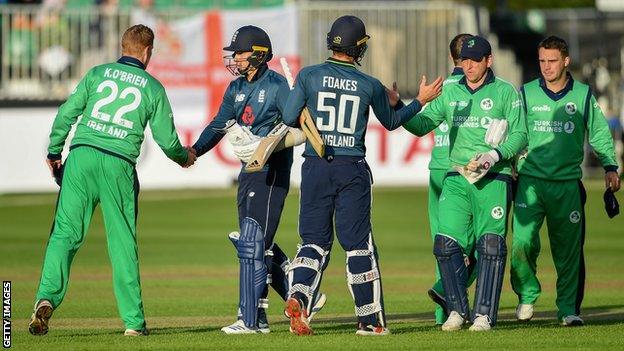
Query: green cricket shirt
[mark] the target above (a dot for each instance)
(557, 124)
(469, 113)
(116, 102)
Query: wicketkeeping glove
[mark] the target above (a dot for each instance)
(496, 132)
(480, 165)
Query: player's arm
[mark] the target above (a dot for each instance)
(67, 115)
(601, 141)
(517, 136)
(516, 141)
(427, 119)
(164, 132)
(391, 118)
(214, 131)
(295, 103)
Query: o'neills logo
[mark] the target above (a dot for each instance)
(543, 108)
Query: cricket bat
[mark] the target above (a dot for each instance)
(305, 120)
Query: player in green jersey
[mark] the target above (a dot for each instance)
(560, 113)
(438, 166)
(477, 188)
(116, 101)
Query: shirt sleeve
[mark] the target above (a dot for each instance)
(281, 96)
(67, 115)
(431, 115)
(296, 102)
(386, 114)
(599, 135)
(163, 129)
(213, 133)
(517, 136)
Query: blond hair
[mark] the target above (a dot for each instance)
(135, 39)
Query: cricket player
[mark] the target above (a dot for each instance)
(561, 113)
(336, 189)
(438, 166)
(253, 103)
(487, 128)
(116, 101)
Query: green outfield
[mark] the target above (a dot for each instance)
(189, 277)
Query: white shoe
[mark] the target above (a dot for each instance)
(40, 317)
(371, 330)
(454, 322)
(132, 332)
(318, 305)
(481, 323)
(524, 312)
(572, 321)
(239, 327)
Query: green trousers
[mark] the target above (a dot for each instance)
(562, 204)
(482, 206)
(93, 177)
(436, 180)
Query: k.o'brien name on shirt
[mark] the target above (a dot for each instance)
(124, 76)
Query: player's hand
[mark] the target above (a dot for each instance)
(429, 92)
(53, 165)
(393, 95)
(483, 162)
(612, 181)
(191, 157)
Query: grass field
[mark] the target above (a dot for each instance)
(190, 275)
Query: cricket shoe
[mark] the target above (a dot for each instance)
(438, 299)
(40, 318)
(371, 330)
(318, 306)
(134, 332)
(454, 322)
(299, 323)
(482, 322)
(263, 321)
(572, 321)
(524, 312)
(239, 327)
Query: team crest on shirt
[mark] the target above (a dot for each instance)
(444, 127)
(570, 108)
(497, 212)
(248, 116)
(487, 104)
(575, 216)
(568, 127)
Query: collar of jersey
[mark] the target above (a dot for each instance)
(131, 61)
(457, 71)
(489, 78)
(262, 69)
(561, 93)
(340, 62)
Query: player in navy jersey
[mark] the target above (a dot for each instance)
(336, 189)
(255, 102)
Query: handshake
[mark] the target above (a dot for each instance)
(191, 157)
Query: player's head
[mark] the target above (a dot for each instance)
(476, 58)
(553, 58)
(348, 35)
(251, 47)
(455, 47)
(138, 42)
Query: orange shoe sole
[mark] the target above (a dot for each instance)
(298, 318)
